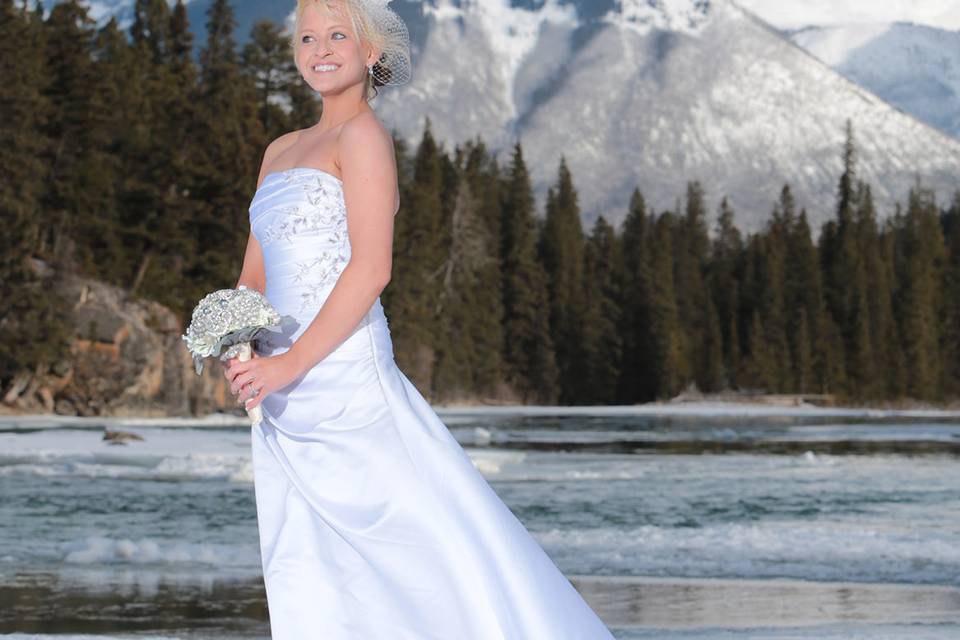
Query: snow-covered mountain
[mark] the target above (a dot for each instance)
(905, 51)
(653, 94)
(649, 94)
(914, 67)
(796, 14)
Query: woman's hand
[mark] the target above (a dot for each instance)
(259, 376)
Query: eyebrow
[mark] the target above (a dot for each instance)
(333, 26)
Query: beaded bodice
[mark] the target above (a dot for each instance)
(299, 218)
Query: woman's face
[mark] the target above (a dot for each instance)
(329, 54)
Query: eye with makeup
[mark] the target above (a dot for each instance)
(303, 39)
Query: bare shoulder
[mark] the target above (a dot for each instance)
(365, 136)
(275, 148)
(365, 147)
(280, 144)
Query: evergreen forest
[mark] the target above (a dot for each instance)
(129, 159)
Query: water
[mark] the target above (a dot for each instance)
(851, 517)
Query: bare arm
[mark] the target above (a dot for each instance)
(252, 273)
(369, 170)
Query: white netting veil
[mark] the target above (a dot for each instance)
(378, 24)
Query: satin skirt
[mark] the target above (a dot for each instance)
(375, 525)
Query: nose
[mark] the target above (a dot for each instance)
(323, 48)
(320, 50)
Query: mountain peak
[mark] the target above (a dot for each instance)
(686, 16)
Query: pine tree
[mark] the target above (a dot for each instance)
(177, 93)
(950, 326)
(892, 355)
(667, 366)
(602, 342)
(267, 60)
(76, 234)
(145, 97)
(561, 249)
(764, 297)
(711, 372)
(692, 246)
(803, 354)
(483, 177)
(461, 354)
(724, 282)
(32, 321)
(150, 30)
(846, 276)
(754, 370)
(878, 357)
(636, 383)
(920, 300)
(418, 262)
(26, 107)
(125, 70)
(180, 39)
(528, 351)
(804, 300)
(226, 151)
(759, 366)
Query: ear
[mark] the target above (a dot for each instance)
(373, 55)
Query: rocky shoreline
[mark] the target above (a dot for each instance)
(126, 358)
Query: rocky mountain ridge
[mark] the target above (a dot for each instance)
(648, 94)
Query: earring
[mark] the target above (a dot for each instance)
(370, 70)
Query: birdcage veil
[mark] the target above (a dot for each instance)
(379, 25)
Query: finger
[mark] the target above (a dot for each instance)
(244, 389)
(229, 369)
(238, 369)
(239, 385)
(245, 381)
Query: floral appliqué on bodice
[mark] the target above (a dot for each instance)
(323, 212)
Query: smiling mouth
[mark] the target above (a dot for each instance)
(325, 68)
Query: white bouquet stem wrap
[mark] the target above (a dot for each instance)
(244, 353)
(224, 325)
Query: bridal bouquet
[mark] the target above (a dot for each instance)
(223, 325)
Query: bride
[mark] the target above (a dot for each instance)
(374, 524)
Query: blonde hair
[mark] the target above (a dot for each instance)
(363, 26)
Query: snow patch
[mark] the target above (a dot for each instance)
(944, 14)
(833, 45)
(513, 31)
(642, 16)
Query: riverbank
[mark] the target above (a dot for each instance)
(631, 606)
(699, 408)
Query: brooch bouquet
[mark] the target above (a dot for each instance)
(225, 322)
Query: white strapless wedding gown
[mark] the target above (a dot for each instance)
(374, 523)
